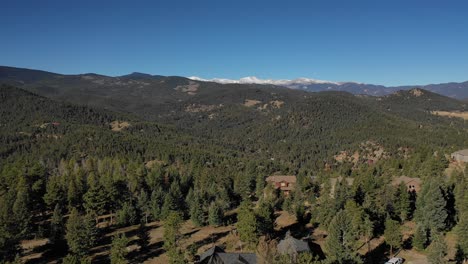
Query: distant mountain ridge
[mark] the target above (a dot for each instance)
(452, 89)
(21, 76)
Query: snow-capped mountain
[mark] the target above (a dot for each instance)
(255, 80)
(455, 90)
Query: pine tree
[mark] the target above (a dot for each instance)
(462, 231)
(392, 234)
(76, 235)
(265, 218)
(118, 250)
(247, 224)
(437, 250)
(81, 233)
(403, 202)
(196, 213)
(430, 207)
(420, 238)
(171, 236)
(127, 215)
(215, 214)
(368, 230)
(168, 206)
(56, 226)
(341, 239)
(155, 204)
(144, 205)
(95, 198)
(21, 208)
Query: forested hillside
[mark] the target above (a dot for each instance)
(193, 150)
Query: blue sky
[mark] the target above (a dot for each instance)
(382, 42)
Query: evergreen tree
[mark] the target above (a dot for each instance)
(247, 224)
(171, 236)
(21, 208)
(56, 226)
(462, 231)
(341, 239)
(430, 207)
(403, 202)
(420, 238)
(144, 205)
(368, 230)
(168, 206)
(81, 233)
(126, 215)
(155, 204)
(95, 198)
(265, 218)
(118, 250)
(437, 250)
(215, 214)
(196, 212)
(392, 234)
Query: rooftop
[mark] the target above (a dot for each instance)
(217, 255)
(282, 178)
(290, 245)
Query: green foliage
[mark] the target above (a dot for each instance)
(341, 240)
(437, 250)
(81, 233)
(247, 224)
(392, 234)
(307, 258)
(196, 213)
(57, 229)
(215, 214)
(171, 237)
(462, 231)
(265, 218)
(402, 202)
(420, 238)
(126, 215)
(430, 207)
(118, 251)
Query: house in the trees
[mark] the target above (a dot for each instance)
(216, 255)
(413, 184)
(285, 183)
(292, 246)
(460, 156)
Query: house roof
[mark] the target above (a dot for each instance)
(210, 252)
(463, 152)
(282, 178)
(290, 245)
(238, 258)
(217, 255)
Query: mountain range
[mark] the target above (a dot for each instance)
(452, 89)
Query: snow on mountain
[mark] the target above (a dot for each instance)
(255, 80)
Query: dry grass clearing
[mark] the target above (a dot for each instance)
(190, 89)
(119, 125)
(251, 102)
(463, 115)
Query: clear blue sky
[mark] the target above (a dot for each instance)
(387, 42)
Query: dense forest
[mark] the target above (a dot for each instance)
(65, 163)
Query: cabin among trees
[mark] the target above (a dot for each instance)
(292, 246)
(460, 156)
(285, 183)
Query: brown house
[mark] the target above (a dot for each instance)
(285, 183)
